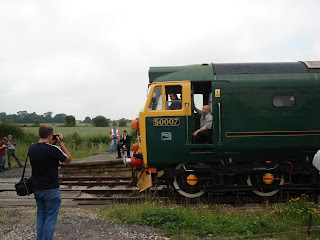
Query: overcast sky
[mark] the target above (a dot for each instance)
(89, 58)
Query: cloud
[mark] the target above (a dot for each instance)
(92, 58)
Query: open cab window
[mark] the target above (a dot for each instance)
(173, 97)
(170, 97)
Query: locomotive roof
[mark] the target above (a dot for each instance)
(206, 72)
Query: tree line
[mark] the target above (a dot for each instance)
(23, 117)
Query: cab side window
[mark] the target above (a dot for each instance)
(173, 97)
(198, 100)
(156, 101)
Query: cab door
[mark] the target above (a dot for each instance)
(167, 122)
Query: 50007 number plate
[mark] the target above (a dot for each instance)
(166, 122)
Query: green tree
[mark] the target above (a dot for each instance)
(48, 117)
(58, 118)
(69, 121)
(122, 122)
(22, 115)
(3, 117)
(100, 121)
(87, 120)
(36, 122)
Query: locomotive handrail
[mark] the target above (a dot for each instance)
(187, 170)
(187, 123)
(219, 110)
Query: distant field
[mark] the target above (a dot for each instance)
(81, 130)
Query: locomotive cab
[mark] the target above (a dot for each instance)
(166, 123)
(169, 123)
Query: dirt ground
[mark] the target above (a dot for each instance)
(79, 223)
(73, 224)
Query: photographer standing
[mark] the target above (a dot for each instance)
(44, 158)
(11, 143)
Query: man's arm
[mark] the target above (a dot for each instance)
(199, 130)
(196, 109)
(64, 149)
(207, 125)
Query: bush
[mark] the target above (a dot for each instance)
(36, 123)
(11, 129)
(102, 138)
(29, 138)
(133, 135)
(76, 141)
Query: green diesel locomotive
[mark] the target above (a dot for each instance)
(265, 131)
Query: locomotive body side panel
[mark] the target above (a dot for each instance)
(256, 123)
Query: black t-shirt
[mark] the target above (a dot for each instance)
(44, 158)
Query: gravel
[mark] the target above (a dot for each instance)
(19, 223)
(74, 223)
(15, 173)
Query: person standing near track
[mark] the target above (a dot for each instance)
(2, 153)
(11, 145)
(44, 159)
(114, 135)
(124, 143)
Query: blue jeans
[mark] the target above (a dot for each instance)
(12, 153)
(2, 162)
(114, 143)
(48, 204)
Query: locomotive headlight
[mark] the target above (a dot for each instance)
(133, 161)
(268, 178)
(127, 161)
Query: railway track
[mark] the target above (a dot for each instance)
(95, 181)
(78, 191)
(101, 190)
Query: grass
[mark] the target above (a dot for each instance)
(81, 141)
(81, 130)
(200, 221)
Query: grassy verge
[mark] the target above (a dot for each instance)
(198, 222)
(81, 130)
(79, 147)
(81, 141)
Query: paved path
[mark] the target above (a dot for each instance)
(98, 157)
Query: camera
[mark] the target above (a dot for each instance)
(54, 138)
